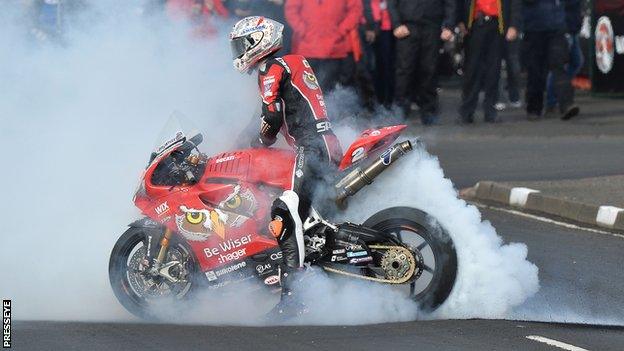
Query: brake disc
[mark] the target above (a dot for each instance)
(175, 279)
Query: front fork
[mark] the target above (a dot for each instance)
(164, 245)
(162, 252)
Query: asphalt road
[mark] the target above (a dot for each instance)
(580, 272)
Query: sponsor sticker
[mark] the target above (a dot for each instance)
(357, 154)
(339, 251)
(386, 157)
(310, 80)
(261, 268)
(267, 85)
(276, 256)
(230, 269)
(178, 138)
(162, 208)
(271, 280)
(336, 258)
(357, 254)
(225, 159)
(211, 276)
(323, 126)
(229, 250)
(361, 259)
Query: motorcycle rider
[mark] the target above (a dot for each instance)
(292, 102)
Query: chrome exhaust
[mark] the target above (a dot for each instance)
(358, 178)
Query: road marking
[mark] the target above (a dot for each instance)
(519, 196)
(548, 220)
(555, 343)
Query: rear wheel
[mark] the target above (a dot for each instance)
(432, 248)
(140, 290)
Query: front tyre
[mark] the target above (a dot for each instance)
(140, 291)
(425, 237)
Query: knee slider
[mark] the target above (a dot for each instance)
(281, 224)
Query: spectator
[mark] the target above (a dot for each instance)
(416, 25)
(49, 18)
(384, 46)
(240, 8)
(490, 22)
(574, 22)
(364, 55)
(547, 49)
(511, 56)
(201, 13)
(322, 32)
(274, 9)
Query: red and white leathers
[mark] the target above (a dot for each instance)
(292, 102)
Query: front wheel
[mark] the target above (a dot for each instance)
(432, 247)
(140, 290)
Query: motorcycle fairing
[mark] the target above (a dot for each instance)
(368, 143)
(223, 214)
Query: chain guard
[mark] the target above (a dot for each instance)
(407, 276)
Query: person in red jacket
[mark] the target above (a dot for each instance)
(321, 33)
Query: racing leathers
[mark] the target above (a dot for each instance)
(292, 102)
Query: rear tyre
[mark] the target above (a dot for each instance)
(138, 291)
(425, 237)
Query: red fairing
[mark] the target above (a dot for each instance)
(369, 142)
(224, 216)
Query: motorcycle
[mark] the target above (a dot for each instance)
(205, 226)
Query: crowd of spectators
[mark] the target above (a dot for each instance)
(389, 50)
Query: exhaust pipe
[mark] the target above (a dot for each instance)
(356, 180)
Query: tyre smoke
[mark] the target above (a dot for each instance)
(79, 119)
(492, 277)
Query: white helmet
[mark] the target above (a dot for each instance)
(252, 39)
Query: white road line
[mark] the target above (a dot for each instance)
(548, 220)
(555, 343)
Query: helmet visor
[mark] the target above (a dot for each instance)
(239, 46)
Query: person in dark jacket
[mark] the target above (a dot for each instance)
(384, 53)
(546, 48)
(487, 24)
(574, 21)
(418, 26)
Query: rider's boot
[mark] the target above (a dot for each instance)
(283, 229)
(290, 304)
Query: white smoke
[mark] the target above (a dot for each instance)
(77, 124)
(493, 277)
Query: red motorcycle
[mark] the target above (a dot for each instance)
(206, 226)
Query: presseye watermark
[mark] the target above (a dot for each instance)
(6, 324)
